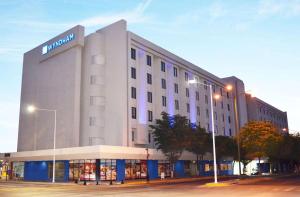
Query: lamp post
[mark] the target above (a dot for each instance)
(212, 122)
(32, 109)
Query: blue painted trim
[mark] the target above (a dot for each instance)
(120, 170)
(152, 166)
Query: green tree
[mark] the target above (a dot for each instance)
(200, 142)
(225, 147)
(170, 134)
(259, 139)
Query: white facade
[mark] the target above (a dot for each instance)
(109, 86)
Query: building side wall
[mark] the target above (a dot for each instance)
(51, 82)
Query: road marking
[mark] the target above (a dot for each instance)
(289, 189)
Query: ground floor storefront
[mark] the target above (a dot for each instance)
(104, 163)
(118, 170)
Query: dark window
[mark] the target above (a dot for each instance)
(175, 71)
(207, 113)
(188, 108)
(221, 91)
(133, 112)
(215, 102)
(222, 104)
(150, 116)
(132, 135)
(176, 88)
(163, 84)
(149, 95)
(133, 92)
(197, 95)
(133, 53)
(216, 115)
(206, 99)
(205, 85)
(228, 107)
(229, 119)
(149, 78)
(208, 127)
(186, 76)
(223, 117)
(198, 110)
(227, 94)
(133, 73)
(148, 60)
(230, 133)
(149, 137)
(214, 88)
(163, 66)
(176, 105)
(187, 92)
(164, 101)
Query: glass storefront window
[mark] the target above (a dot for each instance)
(18, 170)
(136, 169)
(59, 170)
(83, 170)
(164, 167)
(108, 169)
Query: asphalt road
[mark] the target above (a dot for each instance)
(264, 187)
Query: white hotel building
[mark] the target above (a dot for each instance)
(107, 88)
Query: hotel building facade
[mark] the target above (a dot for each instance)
(107, 88)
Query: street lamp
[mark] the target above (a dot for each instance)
(32, 109)
(236, 122)
(194, 81)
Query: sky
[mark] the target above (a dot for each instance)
(256, 40)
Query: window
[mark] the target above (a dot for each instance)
(175, 72)
(221, 91)
(198, 110)
(186, 76)
(133, 73)
(149, 78)
(162, 66)
(149, 137)
(223, 117)
(206, 99)
(208, 127)
(230, 133)
(188, 108)
(214, 88)
(224, 131)
(197, 95)
(229, 119)
(164, 101)
(207, 113)
(205, 85)
(187, 92)
(133, 135)
(228, 107)
(216, 115)
(222, 105)
(176, 88)
(133, 92)
(163, 84)
(149, 96)
(93, 79)
(148, 60)
(215, 102)
(92, 121)
(133, 112)
(176, 105)
(133, 53)
(227, 94)
(150, 116)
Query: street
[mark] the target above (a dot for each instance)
(265, 186)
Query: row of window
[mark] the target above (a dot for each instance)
(149, 97)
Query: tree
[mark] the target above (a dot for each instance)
(200, 142)
(170, 134)
(225, 147)
(259, 139)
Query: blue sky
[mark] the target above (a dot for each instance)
(255, 40)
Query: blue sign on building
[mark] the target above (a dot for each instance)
(47, 48)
